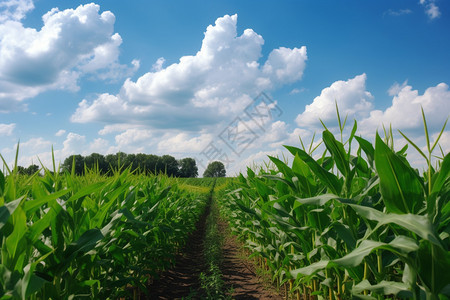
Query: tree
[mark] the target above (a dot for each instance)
(32, 169)
(76, 160)
(215, 169)
(168, 164)
(94, 160)
(188, 167)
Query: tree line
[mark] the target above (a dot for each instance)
(144, 163)
(148, 164)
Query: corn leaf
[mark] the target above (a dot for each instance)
(401, 189)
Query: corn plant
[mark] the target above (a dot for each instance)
(64, 236)
(365, 225)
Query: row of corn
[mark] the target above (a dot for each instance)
(64, 236)
(359, 223)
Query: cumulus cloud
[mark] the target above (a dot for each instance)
(7, 129)
(60, 132)
(431, 9)
(184, 143)
(352, 99)
(212, 85)
(133, 137)
(36, 145)
(405, 111)
(14, 9)
(70, 44)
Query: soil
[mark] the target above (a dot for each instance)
(182, 282)
(239, 274)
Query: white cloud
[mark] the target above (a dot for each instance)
(405, 111)
(60, 132)
(14, 9)
(7, 129)
(184, 143)
(134, 140)
(109, 129)
(399, 12)
(297, 91)
(71, 43)
(211, 86)
(431, 9)
(36, 145)
(396, 88)
(352, 99)
(100, 145)
(74, 144)
(157, 66)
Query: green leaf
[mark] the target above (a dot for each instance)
(337, 151)
(7, 210)
(401, 245)
(85, 243)
(310, 269)
(434, 262)
(401, 189)
(443, 175)
(35, 230)
(304, 175)
(86, 191)
(367, 148)
(30, 206)
(317, 200)
(20, 228)
(398, 289)
(418, 224)
(2, 183)
(329, 179)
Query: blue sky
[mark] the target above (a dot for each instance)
(176, 77)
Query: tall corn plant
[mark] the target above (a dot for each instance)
(65, 236)
(346, 224)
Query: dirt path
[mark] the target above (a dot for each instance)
(239, 274)
(183, 280)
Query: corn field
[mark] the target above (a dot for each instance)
(68, 237)
(364, 225)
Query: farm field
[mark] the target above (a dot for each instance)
(121, 120)
(359, 223)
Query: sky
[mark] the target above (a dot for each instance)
(217, 80)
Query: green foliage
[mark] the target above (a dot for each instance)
(64, 236)
(345, 225)
(188, 167)
(215, 169)
(148, 164)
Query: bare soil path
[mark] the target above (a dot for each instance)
(183, 281)
(239, 274)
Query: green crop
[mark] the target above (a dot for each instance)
(348, 224)
(64, 236)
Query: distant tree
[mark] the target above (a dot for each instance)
(111, 161)
(32, 169)
(168, 164)
(130, 161)
(21, 170)
(151, 164)
(79, 164)
(96, 159)
(121, 159)
(188, 167)
(215, 169)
